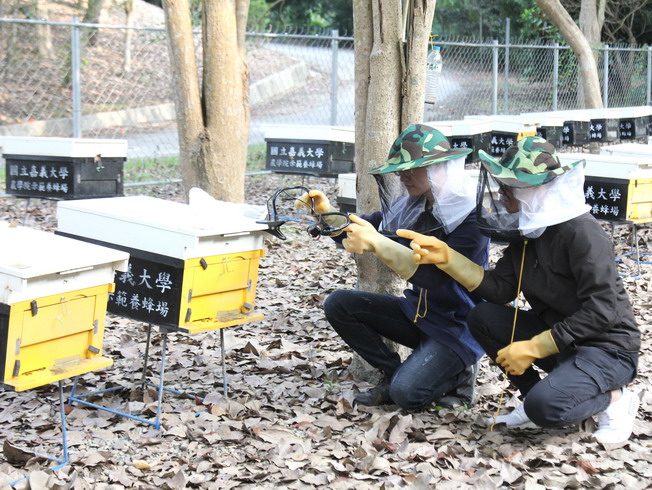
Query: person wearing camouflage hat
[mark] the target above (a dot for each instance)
(580, 328)
(438, 199)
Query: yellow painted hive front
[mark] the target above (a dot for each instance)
(54, 337)
(639, 206)
(219, 291)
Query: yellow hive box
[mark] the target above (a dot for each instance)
(191, 269)
(618, 188)
(53, 300)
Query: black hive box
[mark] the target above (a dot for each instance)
(63, 168)
(314, 150)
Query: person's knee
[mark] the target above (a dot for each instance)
(545, 408)
(333, 302)
(406, 397)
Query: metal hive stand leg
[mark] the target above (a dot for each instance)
(64, 434)
(226, 392)
(143, 378)
(638, 255)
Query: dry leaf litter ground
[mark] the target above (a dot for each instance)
(288, 421)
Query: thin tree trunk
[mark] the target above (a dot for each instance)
(186, 82)
(92, 16)
(390, 62)
(588, 68)
(44, 33)
(226, 102)
(130, 9)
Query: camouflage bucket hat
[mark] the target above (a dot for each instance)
(417, 146)
(530, 162)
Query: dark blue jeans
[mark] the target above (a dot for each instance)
(579, 380)
(363, 319)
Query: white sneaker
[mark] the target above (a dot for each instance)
(616, 423)
(516, 418)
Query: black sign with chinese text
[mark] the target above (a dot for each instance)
(46, 179)
(313, 157)
(603, 130)
(633, 128)
(149, 291)
(63, 177)
(607, 197)
(575, 132)
(500, 142)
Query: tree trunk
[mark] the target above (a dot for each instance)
(588, 68)
(130, 9)
(187, 102)
(92, 16)
(390, 62)
(44, 33)
(589, 23)
(226, 100)
(213, 124)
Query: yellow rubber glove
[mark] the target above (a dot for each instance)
(518, 356)
(361, 236)
(320, 205)
(430, 250)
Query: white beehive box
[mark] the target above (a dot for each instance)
(53, 301)
(159, 226)
(36, 263)
(325, 151)
(63, 168)
(192, 267)
(618, 188)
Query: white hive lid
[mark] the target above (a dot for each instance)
(461, 127)
(311, 133)
(544, 118)
(608, 166)
(578, 115)
(30, 255)
(635, 111)
(633, 149)
(507, 123)
(63, 147)
(151, 224)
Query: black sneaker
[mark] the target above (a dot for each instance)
(379, 395)
(464, 393)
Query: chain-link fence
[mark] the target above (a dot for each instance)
(112, 81)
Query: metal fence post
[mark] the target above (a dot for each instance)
(555, 76)
(605, 76)
(76, 80)
(494, 98)
(506, 84)
(334, 78)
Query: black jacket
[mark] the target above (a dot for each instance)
(570, 281)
